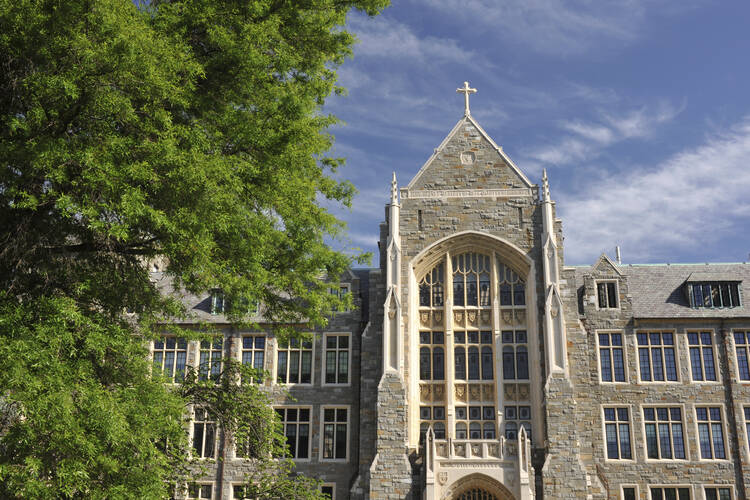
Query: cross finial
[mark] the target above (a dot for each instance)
(465, 90)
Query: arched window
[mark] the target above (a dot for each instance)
(487, 363)
(460, 361)
(461, 430)
(489, 430)
(475, 431)
(438, 363)
(511, 430)
(522, 362)
(425, 369)
(473, 363)
(509, 367)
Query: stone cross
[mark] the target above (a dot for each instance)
(465, 90)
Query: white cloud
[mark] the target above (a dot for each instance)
(558, 26)
(585, 140)
(698, 195)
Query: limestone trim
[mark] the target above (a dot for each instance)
(689, 486)
(324, 355)
(456, 128)
(467, 241)
(634, 486)
(685, 434)
(467, 193)
(481, 481)
(349, 433)
(708, 486)
(611, 347)
(618, 422)
(724, 433)
(715, 344)
(649, 347)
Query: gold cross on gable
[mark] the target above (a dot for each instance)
(466, 90)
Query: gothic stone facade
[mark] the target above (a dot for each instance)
(478, 365)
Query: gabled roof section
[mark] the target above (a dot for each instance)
(448, 156)
(605, 265)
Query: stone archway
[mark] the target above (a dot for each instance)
(478, 487)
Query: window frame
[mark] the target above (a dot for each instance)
(163, 338)
(199, 484)
(746, 426)
(242, 350)
(690, 291)
(277, 348)
(724, 436)
(333, 489)
(689, 487)
(685, 436)
(340, 291)
(617, 422)
(337, 350)
(730, 487)
(714, 348)
(322, 433)
(616, 292)
(675, 345)
(310, 423)
(610, 347)
(629, 485)
(205, 421)
(746, 348)
(210, 350)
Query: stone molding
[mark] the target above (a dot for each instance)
(467, 193)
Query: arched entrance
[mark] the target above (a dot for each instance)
(478, 487)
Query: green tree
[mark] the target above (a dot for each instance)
(189, 131)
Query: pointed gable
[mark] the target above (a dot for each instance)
(468, 158)
(605, 266)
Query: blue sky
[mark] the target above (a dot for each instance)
(638, 109)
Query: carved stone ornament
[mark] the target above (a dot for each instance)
(461, 392)
(553, 311)
(487, 392)
(472, 317)
(438, 317)
(493, 450)
(425, 317)
(424, 392)
(442, 477)
(520, 317)
(468, 157)
(510, 392)
(441, 450)
(439, 393)
(476, 450)
(550, 252)
(474, 392)
(507, 316)
(523, 391)
(392, 313)
(485, 316)
(460, 449)
(458, 316)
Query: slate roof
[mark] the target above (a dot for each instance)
(658, 290)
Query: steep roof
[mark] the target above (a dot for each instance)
(658, 290)
(493, 168)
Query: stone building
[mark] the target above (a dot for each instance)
(477, 365)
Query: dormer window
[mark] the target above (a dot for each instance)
(217, 301)
(715, 294)
(606, 294)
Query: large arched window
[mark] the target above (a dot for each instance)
(472, 309)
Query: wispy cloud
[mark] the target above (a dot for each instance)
(557, 26)
(586, 139)
(688, 202)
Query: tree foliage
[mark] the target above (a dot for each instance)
(189, 131)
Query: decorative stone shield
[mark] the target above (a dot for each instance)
(425, 317)
(507, 316)
(472, 317)
(458, 316)
(442, 477)
(510, 392)
(424, 392)
(439, 392)
(520, 317)
(474, 392)
(485, 316)
(438, 317)
(523, 391)
(461, 392)
(487, 392)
